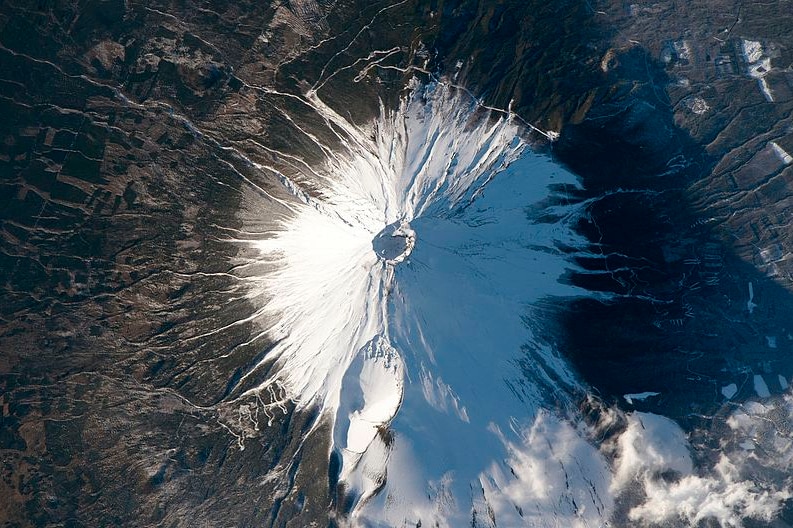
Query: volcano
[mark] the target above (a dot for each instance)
(377, 264)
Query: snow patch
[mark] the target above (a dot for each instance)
(372, 392)
(728, 391)
(370, 397)
(783, 155)
(760, 386)
(698, 105)
(750, 305)
(752, 50)
(758, 65)
(639, 396)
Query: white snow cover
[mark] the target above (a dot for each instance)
(750, 304)
(445, 406)
(758, 65)
(752, 50)
(761, 387)
(639, 396)
(729, 390)
(783, 155)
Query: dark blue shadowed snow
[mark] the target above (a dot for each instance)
(470, 418)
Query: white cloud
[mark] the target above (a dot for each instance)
(652, 446)
(722, 496)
